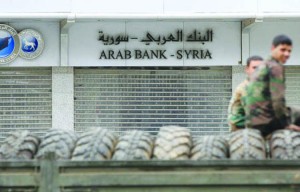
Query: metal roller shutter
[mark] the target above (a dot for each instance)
(25, 100)
(148, 99)
(292, 85)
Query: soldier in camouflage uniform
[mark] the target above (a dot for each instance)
(236, 112)
(265, 105)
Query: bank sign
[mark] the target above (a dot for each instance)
(155, 44)
(27, 44)
(195, 36)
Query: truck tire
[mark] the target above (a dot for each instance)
(209, 148)
(57, 141)
(135, 145)
(19, 145)
(247, 144)
(172, 143)
(94, 145)
(285, 144)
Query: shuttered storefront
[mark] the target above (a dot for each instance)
(292, 85)
(25, 100)
(147, 99)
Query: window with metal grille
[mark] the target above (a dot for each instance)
(292, 85)
(147, 99)
(25, 100)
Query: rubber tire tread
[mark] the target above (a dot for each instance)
(57, 141)
(172, 143)
(210, 147)
(247, 144)
(94, 145)
(285, 144)
(134, 145)
(19, 145)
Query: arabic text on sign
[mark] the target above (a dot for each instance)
(194, 36)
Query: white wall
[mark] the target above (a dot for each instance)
(153, 6)
(268, 6)
(229, 48)
(29, 6)
(261, 36)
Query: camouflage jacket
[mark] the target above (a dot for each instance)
(236, 112)
(265, 98)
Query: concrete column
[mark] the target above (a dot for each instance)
(238, 76)
(63, 98)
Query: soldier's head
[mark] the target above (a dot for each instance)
(252, 63)
(281, 48)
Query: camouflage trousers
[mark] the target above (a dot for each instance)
(268, 129)
(293, 118)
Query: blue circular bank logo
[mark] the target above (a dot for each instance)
(32, 44)
(9, 44)
(29, 44)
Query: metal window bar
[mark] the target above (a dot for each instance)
(147, 99)
(292, 85)
(25, 100)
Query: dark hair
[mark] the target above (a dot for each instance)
(281, 39)
(254, 58)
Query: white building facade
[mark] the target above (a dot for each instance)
(127, 65)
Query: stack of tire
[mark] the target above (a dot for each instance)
(171, 143)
